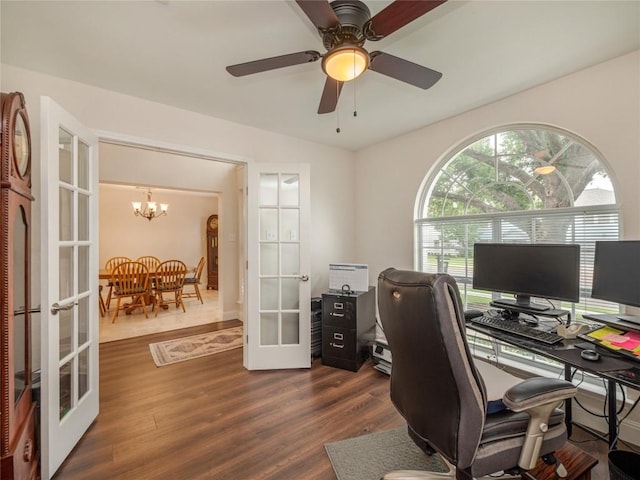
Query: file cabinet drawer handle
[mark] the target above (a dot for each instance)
(338, 336)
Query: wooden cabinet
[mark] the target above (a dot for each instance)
(212, 252)
(348, 328)
(18, 448)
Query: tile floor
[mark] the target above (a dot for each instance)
(135, 325)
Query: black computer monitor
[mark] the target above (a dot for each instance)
(528, 270)
(616, 271)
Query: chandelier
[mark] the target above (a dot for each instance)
(150, 210)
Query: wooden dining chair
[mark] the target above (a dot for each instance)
(109, 265)
(194, 281)
(150, 262)
(169, 279)
(130, 280)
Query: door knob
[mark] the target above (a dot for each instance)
(304, 278)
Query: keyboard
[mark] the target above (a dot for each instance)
(515, 328)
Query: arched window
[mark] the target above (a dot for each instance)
(516, 184)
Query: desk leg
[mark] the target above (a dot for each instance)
(612, 413)
(567, 403)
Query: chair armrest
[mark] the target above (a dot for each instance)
(538, 397)
(537, 391)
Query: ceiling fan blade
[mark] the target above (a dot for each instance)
(248, 68)
(403, 70)
(319, 12)
(330, 95)
(398, 14)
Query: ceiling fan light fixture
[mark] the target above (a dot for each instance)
(345, 63)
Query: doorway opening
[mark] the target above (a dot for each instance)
(195, 186)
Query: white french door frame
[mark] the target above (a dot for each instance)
(69, 283)
(278, 324)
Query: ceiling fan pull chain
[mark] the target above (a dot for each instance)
(337, 109)
(355, 109)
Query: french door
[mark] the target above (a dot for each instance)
(278, 328)
(69, 290)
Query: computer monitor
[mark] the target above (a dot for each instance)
(528, 270)
(616, 270)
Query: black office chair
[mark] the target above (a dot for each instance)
(438, 390)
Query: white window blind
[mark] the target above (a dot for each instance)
(446, 245)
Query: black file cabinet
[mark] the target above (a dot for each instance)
(348, 328)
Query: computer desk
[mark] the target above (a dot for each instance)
(612, 367)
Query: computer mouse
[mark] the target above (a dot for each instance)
(590, 355)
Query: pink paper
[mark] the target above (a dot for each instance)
(629, 341)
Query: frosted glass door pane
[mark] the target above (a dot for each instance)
(83, 269)
(83, 165)
(83, 373)
(269, 189)
(65, 156)
(83, 216)
(269, 259)
(65, 389)
(289, 221)
(268, 225)
(269, 294)
(290, 258)
(290, 294)
(65, 324)
(268, 329)
(65, 264)
(83, 319)
(66, 214)
(290, 328)
(289, 194)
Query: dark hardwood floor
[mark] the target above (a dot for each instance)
(209, 418)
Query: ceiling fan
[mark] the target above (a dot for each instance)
(344, 26)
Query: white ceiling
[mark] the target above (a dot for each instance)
(175, 52)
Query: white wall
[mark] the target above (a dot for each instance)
(181, 234)
(601, 104)
(332, 169)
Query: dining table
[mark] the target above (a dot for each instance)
(104, 274)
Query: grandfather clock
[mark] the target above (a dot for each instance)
(18, 448)
(212, 252)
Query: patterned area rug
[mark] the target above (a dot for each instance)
(195, 346)
(370, 457)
